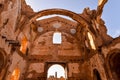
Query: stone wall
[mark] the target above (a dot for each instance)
(18, 21)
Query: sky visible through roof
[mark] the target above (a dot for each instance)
(111, 13)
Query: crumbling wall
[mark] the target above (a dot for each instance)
(9, 17)
(95, 63)
(111, 51)
(16, 61)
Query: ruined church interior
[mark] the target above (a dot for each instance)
(80, 46)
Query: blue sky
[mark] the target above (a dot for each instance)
(56, 68)
(110, 14)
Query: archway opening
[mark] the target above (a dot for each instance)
(56, 71)
(96, 75)
(115, 65)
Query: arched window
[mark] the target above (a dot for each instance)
(96, 75)
(56, 71)
(16, 74)
(23, 47)
(57, 38)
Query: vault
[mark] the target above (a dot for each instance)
(64, 12)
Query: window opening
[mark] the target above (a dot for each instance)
(96, 75)
(56, 72)
(16, 74)
(57, 38)
(23, 47)
(92, 44)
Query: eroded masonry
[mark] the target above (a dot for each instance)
(29, 47)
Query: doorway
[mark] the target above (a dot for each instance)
(56, 71)
(96, 75)
(114, 62)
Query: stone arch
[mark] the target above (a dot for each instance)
(96, 75)
(64, 12)
(51, 64)
(113, 64)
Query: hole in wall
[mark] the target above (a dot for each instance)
(56, 71)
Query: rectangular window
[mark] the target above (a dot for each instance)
(57, 38)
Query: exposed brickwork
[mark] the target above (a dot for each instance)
(75, 53)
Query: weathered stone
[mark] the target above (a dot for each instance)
(20, 29)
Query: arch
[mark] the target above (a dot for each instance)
(113, 64)
(68, 13)
(56, 71)
(96, 75)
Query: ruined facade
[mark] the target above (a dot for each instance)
(27, 49)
